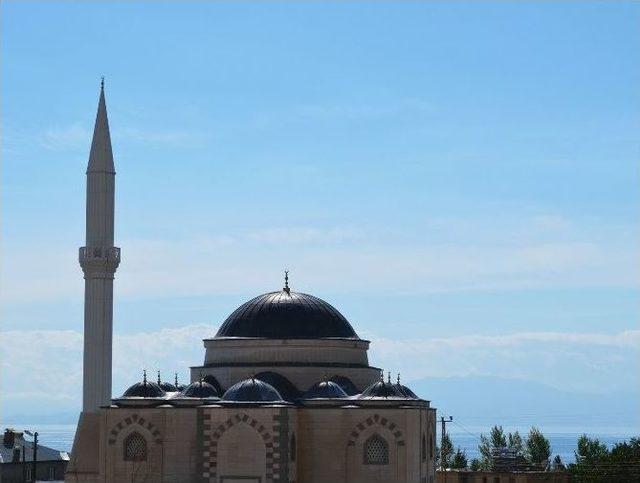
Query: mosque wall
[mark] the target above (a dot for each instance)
(217, 444)
(365, 445)
(229, 351)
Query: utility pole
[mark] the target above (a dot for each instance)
(443, 432)
(35, 454)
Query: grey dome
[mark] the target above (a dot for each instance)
(382, 389)
(144, 389)
(287, 315)
(252, 390)
(200, 389)
(346, 384)
(168, 387)
(325, 390)
(284, 386)
(214, 382)
(406, 392)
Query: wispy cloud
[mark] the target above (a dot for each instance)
(560, 359)
(342, 112)
(77, 135)
(549, 253)
(70, 137)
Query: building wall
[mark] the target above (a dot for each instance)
(46, 471)
(279, 443)
(499, 477)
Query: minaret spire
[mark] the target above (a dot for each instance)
(99, 260)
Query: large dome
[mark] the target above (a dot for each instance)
(287, 315)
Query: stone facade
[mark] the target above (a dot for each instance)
(272, 443)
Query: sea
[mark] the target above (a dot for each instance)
(563, 443)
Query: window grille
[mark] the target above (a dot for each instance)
(135, 448)
(376, 451)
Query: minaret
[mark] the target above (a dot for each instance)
(99, 260)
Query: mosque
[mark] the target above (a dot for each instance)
(285, 392)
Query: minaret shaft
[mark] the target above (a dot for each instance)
(99, 260)
(100, 206)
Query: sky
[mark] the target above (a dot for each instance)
(459, 179)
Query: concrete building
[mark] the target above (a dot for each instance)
(285, 392)
(16, 460)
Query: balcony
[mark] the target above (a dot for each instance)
(107, 254)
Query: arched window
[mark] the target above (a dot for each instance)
(135, 447)
(376, 451)
(292, 448)
(423, 448)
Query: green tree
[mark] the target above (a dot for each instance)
(484, 448)
(537, 447)
(596, 464)
(459, 460)
(515, 442)
(590, 450)
(498, 439)
(475, 465)
(446, 452)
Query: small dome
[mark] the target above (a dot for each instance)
(252, 390)
(287, 315)
(346, 385)
(166, 386)
(284, 386)
(200, 389)
(144, 389)
(406, 392)
(214, 382)
(382, 389)
(325, 390)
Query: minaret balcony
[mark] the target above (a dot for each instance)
(99, 258)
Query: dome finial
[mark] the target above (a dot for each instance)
(175, 379)
(286, 282)
(144, 377)
(398, 378)
(382, 375)
(389, 377)
(102, 83)
(159, 380)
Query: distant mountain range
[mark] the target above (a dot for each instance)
(479, 402)
(484, 401)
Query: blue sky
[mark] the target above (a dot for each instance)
(465, 172)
